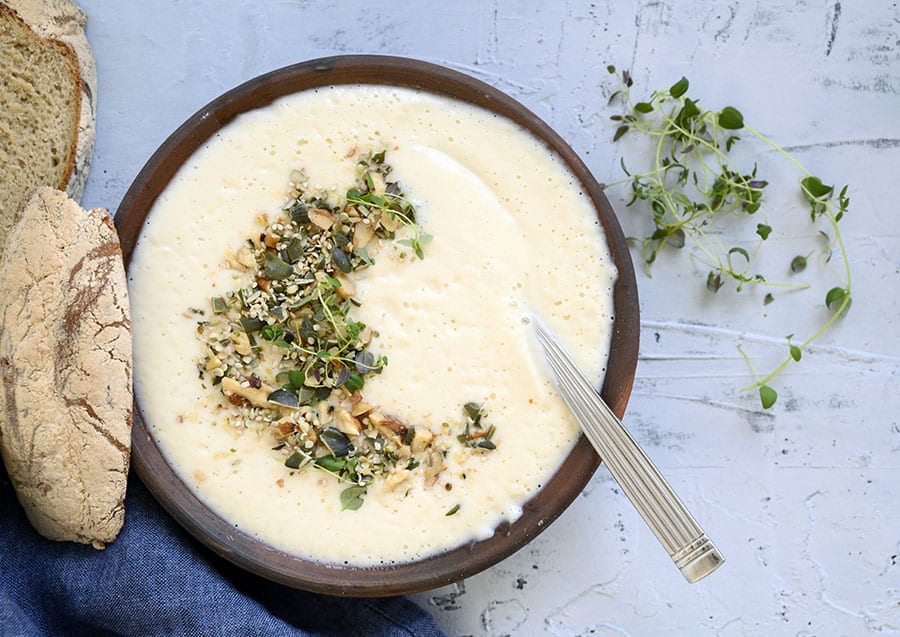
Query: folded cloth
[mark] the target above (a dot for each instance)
(156, 580)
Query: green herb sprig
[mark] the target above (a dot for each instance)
(693, 184)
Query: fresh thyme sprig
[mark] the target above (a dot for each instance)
(693, 183)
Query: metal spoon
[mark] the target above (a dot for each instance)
(687, 544)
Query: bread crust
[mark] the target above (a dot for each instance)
(65, 369)
(63, 23)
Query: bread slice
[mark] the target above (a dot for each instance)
(47, 86)
(65, 369)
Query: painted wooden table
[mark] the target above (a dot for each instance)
(802, 498)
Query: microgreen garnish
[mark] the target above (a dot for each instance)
(395, 209)
(416, 243)
(798, 263)
(767, 396)
(693, 184)
(290, 359)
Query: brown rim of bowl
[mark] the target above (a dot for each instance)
(453, 565)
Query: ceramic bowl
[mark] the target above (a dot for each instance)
(545, 506)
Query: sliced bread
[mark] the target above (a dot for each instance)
(47, 88)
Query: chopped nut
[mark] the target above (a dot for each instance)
(256, 396)
(347, 423)
(231, 260)
(238, 401)
(212, 363)
(283, 429)
(242, 260)
(390, 222)
(347, 287)
(390, 428)
(396, 478)
(434, 467)
(387, 422)
(323, 411)
(402, 451)
(361, 409)
(245, 257)
(241, 343)
(421, 439)
(362, 234)
(321, 218)
(380, 421)
(378, 182)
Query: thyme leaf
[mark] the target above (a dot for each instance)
(352, 498)
(767, 396)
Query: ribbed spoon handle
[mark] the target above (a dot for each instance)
(689, 547)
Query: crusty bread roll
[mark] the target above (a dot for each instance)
(48, 83)
(65, 369)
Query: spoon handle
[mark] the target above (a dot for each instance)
(687, 544)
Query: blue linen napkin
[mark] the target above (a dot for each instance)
(156, 580)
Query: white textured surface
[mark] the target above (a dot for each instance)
(802, 499)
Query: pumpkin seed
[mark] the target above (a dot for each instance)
(341, 260)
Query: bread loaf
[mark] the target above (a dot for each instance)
(65, 369)
(48, 83)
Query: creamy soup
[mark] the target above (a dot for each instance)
(512, 235)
